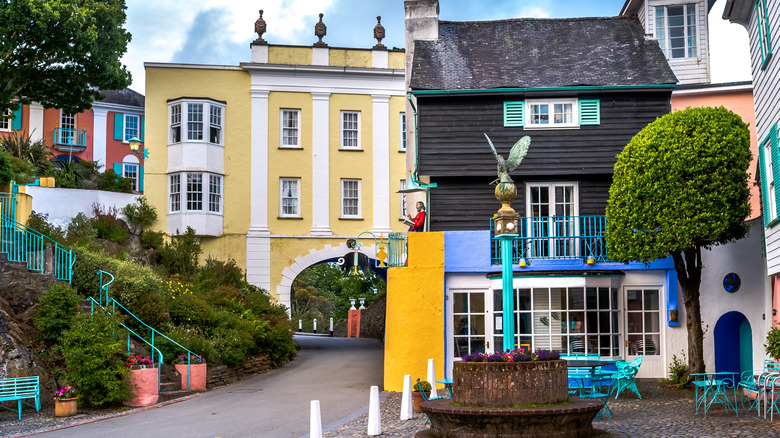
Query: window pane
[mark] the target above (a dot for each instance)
(460, 303)
(215, 193)
(194, 191)
(195, 121)
(523, 299)
(175, 190)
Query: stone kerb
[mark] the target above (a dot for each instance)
(510, 383)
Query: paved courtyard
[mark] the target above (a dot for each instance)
(662, 412)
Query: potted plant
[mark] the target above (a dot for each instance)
(65, 402)
(772, 345)
(416, 396)
(144, 381)
(195, 381)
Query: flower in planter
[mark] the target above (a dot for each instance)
(138, 360)
(64, 393)
(516, 355)
(194, 359)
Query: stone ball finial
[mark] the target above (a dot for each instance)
(260, 29)
(379, 33)
(320, 30)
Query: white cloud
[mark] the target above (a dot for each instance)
(729, 48)
(532, 12)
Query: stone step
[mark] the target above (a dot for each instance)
(170, 395)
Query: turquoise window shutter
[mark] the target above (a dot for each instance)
(119, 126)
(764, 188)
(16, 124)
(514, 113)
(118, 168)
(142, 128)
(590, 112)
(775, 147)
(140, 178)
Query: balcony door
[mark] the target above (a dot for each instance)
(552, 224)
(67, 129)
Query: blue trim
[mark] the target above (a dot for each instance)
(446, 333)
(119, 126)
(671, 295)
(16, 123)
(118, 169)
(140, 178)
(141, 122)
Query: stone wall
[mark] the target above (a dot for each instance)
(372, 321)
(219, 375)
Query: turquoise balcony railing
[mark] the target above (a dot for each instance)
(396, 253)
(75, 138)
(555, 237)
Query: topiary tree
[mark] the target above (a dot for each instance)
(679, 186)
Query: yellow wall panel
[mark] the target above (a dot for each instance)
(350, 58)
(422, 281)
(289, 55)
(397, 59)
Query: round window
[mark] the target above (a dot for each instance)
(731, 282)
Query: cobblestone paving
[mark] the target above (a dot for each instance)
(662, 412)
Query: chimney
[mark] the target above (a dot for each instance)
(422, 23)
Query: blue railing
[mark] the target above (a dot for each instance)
(70, 137)
(26, 245)
(555, 237)
(112, 304)
(396, 251)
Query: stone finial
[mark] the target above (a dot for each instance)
(260, 29)
(379, 33)
(320, 30)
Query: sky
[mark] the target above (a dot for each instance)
(219, 32)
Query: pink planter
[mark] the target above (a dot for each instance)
(144, 384)
(198, 379)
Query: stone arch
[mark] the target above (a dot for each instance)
(328, 252)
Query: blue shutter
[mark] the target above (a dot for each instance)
(118, 168)
(140, 178)
(119, 126)
(590, 112)
(764, 188)
(514, 113)
(16, 124)
(142, 128)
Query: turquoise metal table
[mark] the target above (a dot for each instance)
(712, 389)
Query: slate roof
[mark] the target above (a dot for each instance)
(537, 53)
(123, 97)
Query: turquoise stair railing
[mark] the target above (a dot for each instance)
(111, 305)
(23, 244)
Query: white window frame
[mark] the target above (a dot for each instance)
(129, 132)
(284, 128)
(193, 197)
(770, 177)
(131, 175)
(5, 123)
(296, 197)
(764, 37)
(402, 122)
(215, 193)
(67, 129)
(343, 129)
(403, 200)
(344, 198)
(662, 30)
(197, 121)
(551, 106)
(174, 193)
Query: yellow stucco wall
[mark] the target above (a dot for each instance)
(397, 162)
(286, 249)
(163, 84)
(415, 304)
(351, 164)
(224, 247)
(289, 55)
(350, 58)
(397, 59)
(290, 163)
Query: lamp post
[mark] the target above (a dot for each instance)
(135, 144)
(506, 230)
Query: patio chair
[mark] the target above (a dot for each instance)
(624, 378)
(600, 388)
(577, 380)
(425, 396)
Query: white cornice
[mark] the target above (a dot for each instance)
(118, 107)
(192, 66)
(714, 89)
(324, 79)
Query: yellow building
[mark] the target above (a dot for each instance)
(277, 162)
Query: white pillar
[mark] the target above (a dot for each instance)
(315, 325)
(432, 378)
(406, 398)
(374, 417)
(315, 420)
(381, 160)
(320, 164)
(300, 325)
(100, 130)
(258, 239)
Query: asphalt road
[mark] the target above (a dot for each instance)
(338, 372)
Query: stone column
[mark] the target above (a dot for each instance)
(381, 163)
(258, 239)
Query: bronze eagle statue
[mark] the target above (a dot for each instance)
(516, 155)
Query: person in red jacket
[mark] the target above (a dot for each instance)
(419, 219)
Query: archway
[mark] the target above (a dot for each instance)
(733, 344)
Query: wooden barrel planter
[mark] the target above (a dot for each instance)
(510, 383)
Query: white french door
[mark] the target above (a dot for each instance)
(643, 329)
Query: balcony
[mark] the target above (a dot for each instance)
(70, 140)
(555, 237)
(396, 249)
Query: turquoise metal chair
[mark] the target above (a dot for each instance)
(599, 388)
(624, 378)
(426, 398)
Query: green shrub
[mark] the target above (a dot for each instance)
(772, 346)
(678, 371)
(40, 223)
(81, 230)
(180, 256)
(233, 346)
(190, 309)
(108, 225)
(278, 343)
(112, 182)
(139, 215)
(216, 273)
(6, 167)
(190, 337)
(151, 239)
(94, 352)
(58, 307)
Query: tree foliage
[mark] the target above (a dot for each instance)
(59, 53)
(680, 186)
